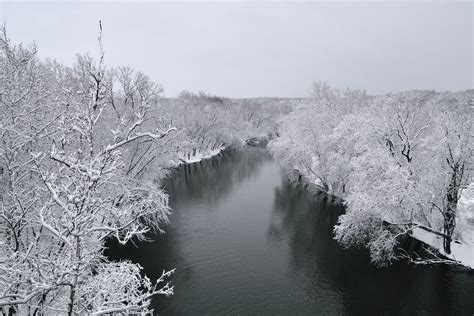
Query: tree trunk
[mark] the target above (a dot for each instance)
(450, 210)
(449, 219)
(72, 294)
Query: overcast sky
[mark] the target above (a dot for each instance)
(243, 49)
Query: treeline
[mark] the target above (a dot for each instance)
(206, 122)
(400, 163)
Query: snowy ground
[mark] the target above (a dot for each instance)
(463, 252)
(200, 155)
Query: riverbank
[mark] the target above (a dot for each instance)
(200, 155)
(462, 252)
(462, 249)
(188, 158)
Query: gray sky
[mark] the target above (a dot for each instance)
(243, 49)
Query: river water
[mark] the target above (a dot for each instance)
(244, 240)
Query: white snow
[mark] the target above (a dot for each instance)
(462, 253)
(462, 250)
(200, 155)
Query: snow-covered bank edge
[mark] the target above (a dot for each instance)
(462, 252)
(316, 187)
(462, 249)
(186, 158)
(200, 156)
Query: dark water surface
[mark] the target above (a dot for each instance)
(245, 241)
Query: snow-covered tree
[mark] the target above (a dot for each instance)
(399, 161)
(67, 188)
(454, 126)
(309, 139)
(405, 177)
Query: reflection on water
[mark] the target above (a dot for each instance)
(245, 241)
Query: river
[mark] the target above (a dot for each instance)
(244, 240)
